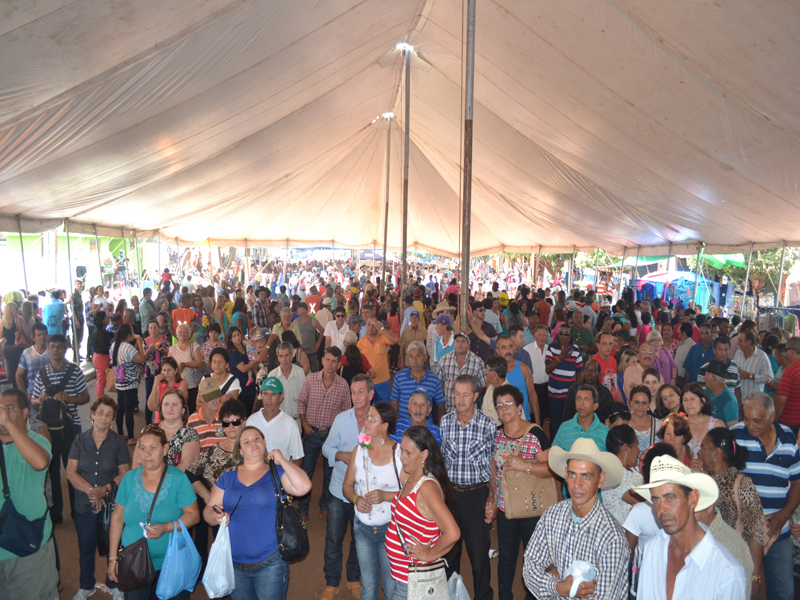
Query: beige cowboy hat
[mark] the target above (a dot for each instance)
(443, 306)
(586, 449)
(666, 469)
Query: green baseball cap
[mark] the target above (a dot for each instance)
(272, 384)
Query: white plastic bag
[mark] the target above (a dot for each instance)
(581, 571)
(219, 579)
(458, 590)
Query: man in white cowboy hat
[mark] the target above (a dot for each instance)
(580, 528)
(684, 561)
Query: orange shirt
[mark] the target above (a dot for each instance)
(376, 354)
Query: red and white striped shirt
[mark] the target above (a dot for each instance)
(406, 516)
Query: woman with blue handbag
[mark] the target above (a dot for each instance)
(246, 495)
(152, 501)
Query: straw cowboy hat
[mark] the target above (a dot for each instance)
(666, 469)
(443, 306)
(586, 449)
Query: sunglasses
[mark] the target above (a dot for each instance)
(234, 422)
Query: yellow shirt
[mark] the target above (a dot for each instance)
(377, 356)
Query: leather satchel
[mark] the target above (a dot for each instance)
(524, 495)
(289, 527)
(135, 567)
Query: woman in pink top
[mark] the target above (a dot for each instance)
(168, 379)
(422, 529)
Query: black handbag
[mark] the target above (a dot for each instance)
(104, 520)
(135, 567)
(289, 527)
(18, 534)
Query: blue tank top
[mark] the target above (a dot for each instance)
(517, 379)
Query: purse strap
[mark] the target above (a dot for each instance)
(521, 441)
(394, 466)
(6, 493)
(739, 526)
(155, 496)
(276, 483)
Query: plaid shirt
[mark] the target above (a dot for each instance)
(260, 314)
(468, 450)
(449, 370)
(319, 404)
(559, 540)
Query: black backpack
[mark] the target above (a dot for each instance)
(54, 413)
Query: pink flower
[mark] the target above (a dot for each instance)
(364, 439)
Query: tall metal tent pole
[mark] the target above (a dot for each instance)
(669, 256)
(621, 271)
(466, 206)
(22, 252)
(596, 266)
(407, 119)
(99, 260)
(571, 279)
(246, 266)
(76, 358)
(538, 266)
(696, 274)
(747, 275)
(636, 271)
(780, 277)
(386, 204)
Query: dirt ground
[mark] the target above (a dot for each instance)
(307, 579)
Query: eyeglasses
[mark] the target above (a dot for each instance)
(234, 422)
(373, 420)
(505, 404)
(645, 353)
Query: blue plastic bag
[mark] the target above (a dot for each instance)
(219, 579)
(181, 567)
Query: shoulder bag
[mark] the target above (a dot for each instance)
(526, 495)
(289, 527)
(135, 567)
(425, 582)
(104, 520)
(18, 534)
(740, 526)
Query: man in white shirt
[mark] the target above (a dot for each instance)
(278, 427)
(684, 560)
(537, 351)
(754, 366)
(291, 377)
(336, 329)
(685, 336)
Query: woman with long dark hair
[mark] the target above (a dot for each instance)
(422, 511)
(126, 359)
(739, 504)
(239, 317)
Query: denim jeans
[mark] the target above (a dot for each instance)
(778, 571)
(556, 415)
(400, 591)
(267, 581)
(148, 387)
(373, 560)
(312, 448)
(86, 528)
(61, 446)
(148, 592)
(340, 513)
(510, 534)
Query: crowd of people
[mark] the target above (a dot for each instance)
(629, 448)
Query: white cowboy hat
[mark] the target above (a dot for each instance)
(586, 449)
(443, 306)
(666, 469)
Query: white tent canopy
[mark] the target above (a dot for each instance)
(610, 124)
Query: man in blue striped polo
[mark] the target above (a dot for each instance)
(416, 376)
(774, 466)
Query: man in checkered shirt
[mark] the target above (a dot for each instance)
(468, 446)
(580, 528)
